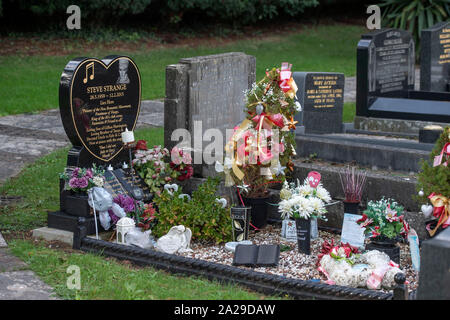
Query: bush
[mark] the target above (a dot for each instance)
(414, 15)
(244, 11)
(202, 214)
(435, 179)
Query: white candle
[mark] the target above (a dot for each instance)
(127, 136)
(124, 165)
(110, 168)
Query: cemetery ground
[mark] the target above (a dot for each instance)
(101, 278)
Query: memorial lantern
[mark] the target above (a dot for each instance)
(123, 226)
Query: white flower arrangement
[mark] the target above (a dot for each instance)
(303, 201)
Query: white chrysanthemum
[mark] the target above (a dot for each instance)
(305, 190)
(317, 205)
(323, 193)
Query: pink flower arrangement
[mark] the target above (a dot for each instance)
(82, 179)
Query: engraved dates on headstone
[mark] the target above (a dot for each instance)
(99, 99)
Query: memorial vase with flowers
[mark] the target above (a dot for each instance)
(384, 222)
(260, 149)
(74, 186)
(304, 202)
(352, 182)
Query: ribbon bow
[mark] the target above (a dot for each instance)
(441, 210)
(286, 82)
(265, 121)
(438, 159)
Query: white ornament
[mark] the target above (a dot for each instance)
(421, 193)
(259, 109)
(123, 226)
(127, 136)
(171, 188)
(176, 240)
(427, 210)
(222, 201)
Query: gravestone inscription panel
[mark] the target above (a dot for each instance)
(385, 66)
(435, 58)
(321, 95)
(98, 100)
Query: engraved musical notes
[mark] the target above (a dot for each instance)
(91, 77)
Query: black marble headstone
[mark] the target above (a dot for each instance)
(98, 100)
(435, 58)
(385, 73)
(321, 95)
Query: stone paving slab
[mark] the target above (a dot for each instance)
(3, 243)
(24, 285)
(9, 262)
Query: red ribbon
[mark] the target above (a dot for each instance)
(438, 159)
(276, 119)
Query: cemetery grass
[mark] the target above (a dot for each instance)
(107, 278)
(30, 83)
(102, 278)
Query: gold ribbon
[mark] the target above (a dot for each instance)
(439, 201)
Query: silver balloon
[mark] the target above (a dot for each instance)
(259, 109)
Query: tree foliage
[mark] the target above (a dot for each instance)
(435, 179)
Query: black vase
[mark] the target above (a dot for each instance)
(303, 235)
(240, 217)
(386, 245)
(351, 207)
(259, 210)
(76, 204)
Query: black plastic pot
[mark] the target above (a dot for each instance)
(259, 210)
(76, 204)
(386, 245)
(303, 235)
(351, 207)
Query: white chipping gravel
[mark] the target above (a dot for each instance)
(292, 264)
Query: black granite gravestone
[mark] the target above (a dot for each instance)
(321, 95)
(385, 80)
(435, 58)
(98, 100)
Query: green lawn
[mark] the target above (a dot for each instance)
(102, 278)
(30, 83)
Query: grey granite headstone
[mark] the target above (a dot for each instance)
(435, 58)
(205, 93)
(321, 95)
(434, 273)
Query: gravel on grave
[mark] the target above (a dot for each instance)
(292, 264)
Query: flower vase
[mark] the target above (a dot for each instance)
(314, 229)
(259, 210)
(240, 217)
(386, 245)
(76, 204)
(303, 235)
(351, 207)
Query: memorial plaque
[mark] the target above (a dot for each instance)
(130, 182)
(352, 232)
(321, 95)
(303, 235)
(98, 100)
(435, 58)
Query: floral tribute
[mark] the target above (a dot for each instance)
(303, 200)
(262, 146)
(82, 179)
(343, 265)
(156, 168)
(384, 218)
(434, 183)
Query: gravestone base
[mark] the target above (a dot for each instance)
(66, 222)
(393, 125)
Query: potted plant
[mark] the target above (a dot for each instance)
(261, 147)
(384, 222)
(74, 186)
(353, 183)
(303, 202)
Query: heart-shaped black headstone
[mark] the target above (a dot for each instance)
(99, 99)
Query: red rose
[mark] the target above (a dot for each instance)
(141, 145)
